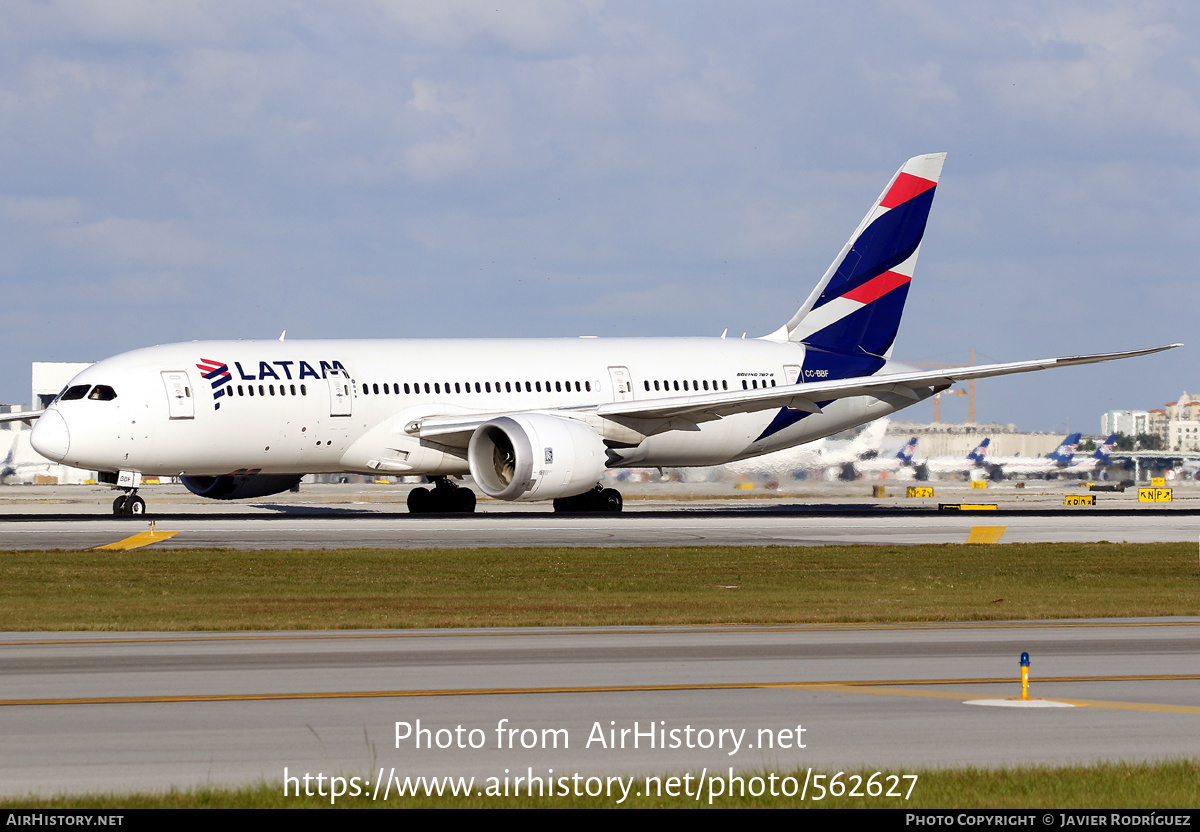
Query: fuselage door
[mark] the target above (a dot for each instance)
(622, 386)
(180, 402)
(792, 373)
(341, 397)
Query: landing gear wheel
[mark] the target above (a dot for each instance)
(611, 500)
(450, 498)
(119, 505)
(464, 499)
(135, 505)
(444, 498)
(418, 501)
(597, 500)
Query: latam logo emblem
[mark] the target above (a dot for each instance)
(218, 373)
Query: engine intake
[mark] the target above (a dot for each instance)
(531, 456)
(240, 486)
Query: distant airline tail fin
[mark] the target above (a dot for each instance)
(6, 467)
(1107, 448)
(1066, 451)
(908, 451)
(977, 455)
(856, 307)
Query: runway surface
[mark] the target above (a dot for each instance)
(683, 528)
(99, 712)
(374, 516)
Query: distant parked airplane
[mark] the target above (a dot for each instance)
(974, 460)
(1052, 463)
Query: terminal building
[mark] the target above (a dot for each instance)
(1176, 425)
(945, 439)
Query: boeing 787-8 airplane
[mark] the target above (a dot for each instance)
(528, 419)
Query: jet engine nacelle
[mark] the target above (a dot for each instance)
(531, 456)
(240, 486)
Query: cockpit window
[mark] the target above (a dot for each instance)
(103, 393)
(76, 392)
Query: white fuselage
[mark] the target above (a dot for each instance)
(348, 406)
(1028, 465)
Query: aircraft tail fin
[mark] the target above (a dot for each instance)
(1066, 450)
(977, 455)
(870, 438)
(908, 451)
(6, 467)
(1107, 448)
(856, 307)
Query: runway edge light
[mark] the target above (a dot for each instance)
(1024, 675)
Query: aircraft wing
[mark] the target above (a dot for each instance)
(808, 396)
(26, 416)
(685, 412)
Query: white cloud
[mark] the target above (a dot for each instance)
(127, 242)
(527, 27)
(1118, 68)
(40, 210)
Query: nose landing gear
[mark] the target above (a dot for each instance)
(129, 503)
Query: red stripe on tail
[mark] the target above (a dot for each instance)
(877, 287)
(905, 188)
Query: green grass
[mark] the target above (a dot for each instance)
(222, 589)
(1163, 785)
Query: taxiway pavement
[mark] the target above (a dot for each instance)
(116, 712)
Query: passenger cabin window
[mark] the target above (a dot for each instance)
(103, 393)
(76, 392)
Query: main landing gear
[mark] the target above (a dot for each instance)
(597, 500)
(129, 503)
(445, 497)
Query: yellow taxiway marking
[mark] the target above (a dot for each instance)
(607, 631)
(878, 687)
(139, 540)
(986, 534)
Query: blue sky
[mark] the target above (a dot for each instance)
(196, 170)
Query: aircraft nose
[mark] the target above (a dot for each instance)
(50, 436)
